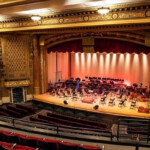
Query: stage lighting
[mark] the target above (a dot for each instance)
(65, 102)
(96, 107)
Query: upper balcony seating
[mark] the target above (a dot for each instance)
(33, 143)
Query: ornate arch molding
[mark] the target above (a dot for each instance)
(53, 40)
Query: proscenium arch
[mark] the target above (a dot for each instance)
(56, 39)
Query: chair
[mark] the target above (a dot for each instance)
(3, 148)
(28, 141)
(122, 103)
(85, 147)
(103, 100)
(68, 146)
(47, 144)
(10, 138)
(133, 104)
(111, 102)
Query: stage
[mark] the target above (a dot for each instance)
(102, 108)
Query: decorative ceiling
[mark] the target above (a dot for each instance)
(26, 8)
(127, 20)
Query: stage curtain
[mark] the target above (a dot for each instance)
(70, 46)
(134, 68)
(62, 67)
(101, 45)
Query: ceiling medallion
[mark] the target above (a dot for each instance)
(61, 20)
(147, 13)
(115, 16)
(86, 18)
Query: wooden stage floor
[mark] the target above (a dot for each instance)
(103, 108)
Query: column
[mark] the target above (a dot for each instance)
(43, 66)
(36, 65)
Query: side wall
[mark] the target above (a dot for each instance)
(17, 58)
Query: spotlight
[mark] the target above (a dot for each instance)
(65, 102)
(96, 107)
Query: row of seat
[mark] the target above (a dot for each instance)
(17, 110)
(68, 121)
(44, 144)
(74, 119)
(11, 146)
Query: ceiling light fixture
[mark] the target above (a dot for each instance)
(103, 11)
(36, 18)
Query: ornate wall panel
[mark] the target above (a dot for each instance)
(16, 57)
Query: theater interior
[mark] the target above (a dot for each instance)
(74, 75)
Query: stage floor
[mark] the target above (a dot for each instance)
(103, 108)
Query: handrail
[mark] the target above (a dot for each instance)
(55, 129)
(59, 130)
(133, 119)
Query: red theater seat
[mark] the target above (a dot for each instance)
(86, 147)
(48, 144)
(20, 147)
(29, 141)
(67, 146)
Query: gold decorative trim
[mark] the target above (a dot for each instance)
(10, 84)
(79, 19)
(124, 36)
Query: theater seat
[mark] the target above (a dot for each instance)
(28, 141)
(21, 147)
(47, 144)
(67, 146)
(3, 148)
(85, 147)
(10, 138)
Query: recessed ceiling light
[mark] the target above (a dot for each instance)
(103, 11)
(36, 18)
(4, 17)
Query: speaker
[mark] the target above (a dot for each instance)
(96, 107)
(65, 102)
